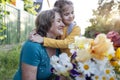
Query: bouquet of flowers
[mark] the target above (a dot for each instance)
(90, 60)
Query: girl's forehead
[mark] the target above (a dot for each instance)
(66, 7)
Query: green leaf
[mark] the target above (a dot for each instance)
(6, 12)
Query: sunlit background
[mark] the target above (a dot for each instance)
(83, 11)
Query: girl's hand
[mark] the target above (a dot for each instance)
(33, 32)
(35, 37)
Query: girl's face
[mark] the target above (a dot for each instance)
(68, 14)
(57, 26)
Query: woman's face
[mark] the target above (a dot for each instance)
(68, 14)
(57, 25)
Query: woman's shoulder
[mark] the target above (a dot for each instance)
(31, 44)
(32, 48)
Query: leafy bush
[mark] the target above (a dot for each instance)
(9, 62)
(104, 19)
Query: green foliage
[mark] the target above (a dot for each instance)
(29, 7)
(3, 27)
(4, 1)
(104, 19)
(9, 62)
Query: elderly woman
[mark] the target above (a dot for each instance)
(34, 57)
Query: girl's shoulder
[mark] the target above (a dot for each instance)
(72, 26)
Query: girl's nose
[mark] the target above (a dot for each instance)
(71, 15)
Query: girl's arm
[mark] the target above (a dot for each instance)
(54, 43)
(62, 43)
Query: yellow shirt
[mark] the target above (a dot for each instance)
(64, 41)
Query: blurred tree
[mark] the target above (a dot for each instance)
(3, 26)
(30, 7)
(104, 18)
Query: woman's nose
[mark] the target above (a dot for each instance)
(62, 24)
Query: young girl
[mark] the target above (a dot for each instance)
(69, 32)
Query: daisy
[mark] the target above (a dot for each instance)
(87, 67)
(103, 62)
(95, 77)
(109, 73)
(112, 78)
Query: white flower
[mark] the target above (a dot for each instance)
(60, 70)
(64, 57)
(109, 73)
(103, 77)
(65, 61)
(96, 77)
(61, 64)
(87, 67)
(54, 60)
(112, 78)
(80, 43)
(101, 62)
(111, 50)
(83, 55)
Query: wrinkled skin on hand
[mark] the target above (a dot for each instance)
(33, 36)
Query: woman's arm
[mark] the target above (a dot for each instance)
(30, 55)
(29, 72)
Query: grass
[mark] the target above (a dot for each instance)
(9, 60)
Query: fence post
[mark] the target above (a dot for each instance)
(18, 26)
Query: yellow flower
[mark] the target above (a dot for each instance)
(117, 53)
(114, 63)
(100, 46)
(81, 46)
(110, 57)
(83, 55)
